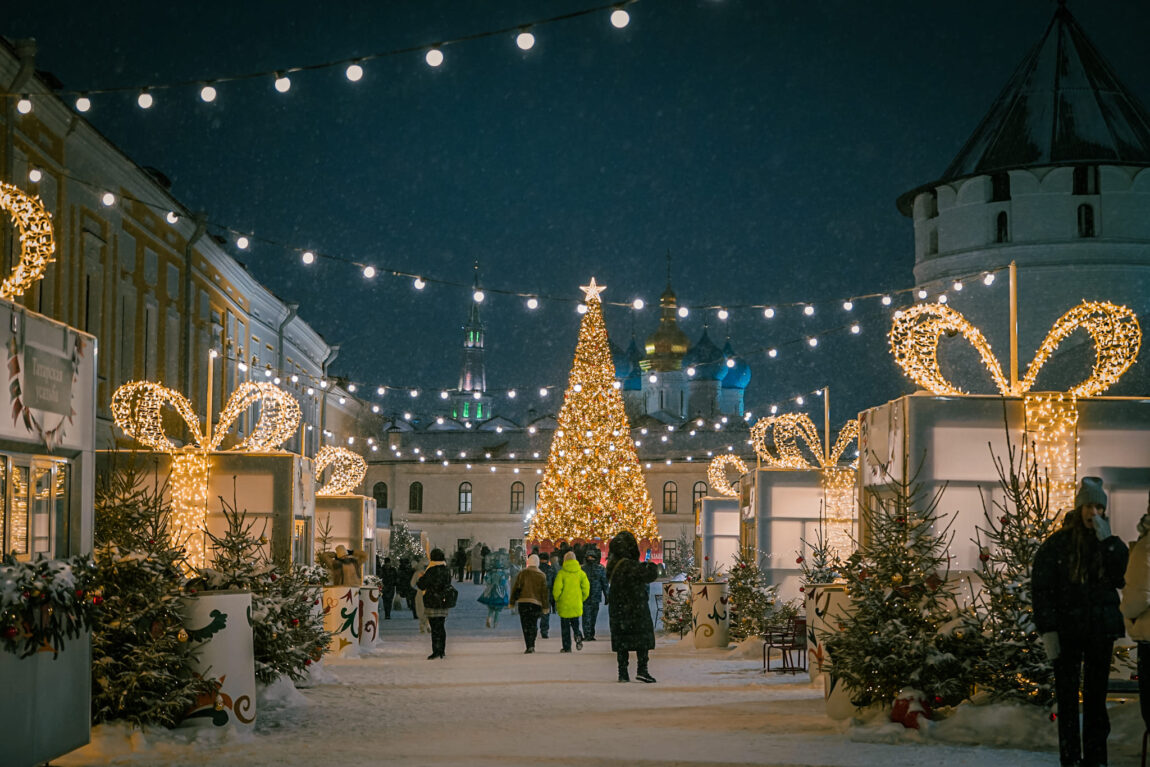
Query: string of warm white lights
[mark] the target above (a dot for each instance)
(717, 473)
(34, 232)
(347, 470)
(533, 299)
(354, 68)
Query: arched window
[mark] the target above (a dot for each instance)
(1001, 228)
(1085, 221)
(516, 497)
(537, 486)
(670, 498)
(464, 497)
(415, 498)
(697, 492)
(379, 493)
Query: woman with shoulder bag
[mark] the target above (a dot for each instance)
(436, 585)
(1077, 573)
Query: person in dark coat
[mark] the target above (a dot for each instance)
(459, 563)
(435, 583)
(629, 608)
(548, 570)
(597, 576)
(403, 584)
(388, 577)
(1077, 573)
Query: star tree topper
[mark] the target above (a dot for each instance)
(591, 292)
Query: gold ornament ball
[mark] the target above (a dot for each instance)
(219, 703)
(960, 633)
(182, 636)
(896, 578)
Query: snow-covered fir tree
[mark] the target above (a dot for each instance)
(900, 596)
(820, 563)
(404, 544)
(752, 598)
(142, 662)
(287, 630)
(1009, 661)
(681, 560)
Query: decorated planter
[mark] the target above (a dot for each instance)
(219, 622)
(369, 615)
(341, 618)
(827, 604)
(710, 615)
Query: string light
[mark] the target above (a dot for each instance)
(717, 473)
(354, 72)
(369, 272)
(145, 100)
(525, 40)
(769, 312)
(637, 304)
(533, 303)
(108, 199)
(308, 257)
(347, 470)
(34, 232)
(24, 105)
(208, 94)
(282, 83)
(620, 18)
(83, 103)
(434, 57)
(809, 310)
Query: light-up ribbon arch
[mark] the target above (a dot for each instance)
(347, 470)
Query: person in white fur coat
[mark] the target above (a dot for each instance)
(1136, 608)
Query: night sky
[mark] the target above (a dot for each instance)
(761, 144)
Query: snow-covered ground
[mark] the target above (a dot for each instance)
(487, 703)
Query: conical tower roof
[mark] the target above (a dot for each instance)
(1064, 105)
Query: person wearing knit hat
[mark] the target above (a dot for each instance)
(438, 598)
(1136, 609)
(570, 590)
(1075, 580)
(530, 598)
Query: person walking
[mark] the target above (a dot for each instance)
(1076, 576)
(628, 608)
(459, 563)
(545, 616)
(570, 591)
(436, 586)
(530, 598)
(495, 591)
(387, 580)
(1135, 607)
(476, 562)
(597, 577)
(403, 583)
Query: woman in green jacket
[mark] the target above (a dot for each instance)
(570, 591)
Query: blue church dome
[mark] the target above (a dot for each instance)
(738, 375)
(707, 359)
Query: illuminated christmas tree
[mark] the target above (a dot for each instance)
(593, 486)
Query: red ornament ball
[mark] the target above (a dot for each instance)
(10, 632)
(802, 589)
(295, 621)
(274, 576)
(79, 593)
(799, 561)
(307, 662)
(97, 599)
(1002, 520)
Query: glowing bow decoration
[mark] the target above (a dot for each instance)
(717, 473)
(137, 409)
(837, 482)
(347, 470)
(37, 244)
(1051, 417)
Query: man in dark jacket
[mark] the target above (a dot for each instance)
(403, 583)
(597, 576)
(459, 563)
(387, 578)
(545, 618)
(1077, 573)
(629, 608)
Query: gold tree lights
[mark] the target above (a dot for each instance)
(593, 486)
(1051, 417)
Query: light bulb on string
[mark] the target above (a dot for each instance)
(511, 394)
(433, 57)
(620, 18)
(921, 294)
(35, 175)
(683, 311)
(722, 314)
(172, 217)
(799, 400)
(83, 103)
(581, 308)
(419, 283)
(369, 272)
(242, 242)
(772, 353)
(988, 279)
(812, 342)
(809, 310)
(957, 286)
(282, 83)
(942, 299)
(638, 304)
(208, 94)
(848, 305)
(308, 257)
(886, 300)
(145, 100)
(24, 105)
(354, 72)
(532, 303)
(856, 329)
(478, 296)
(769, 312)
(108, 199)
(443, 395)
(380, 391)
(525, 40)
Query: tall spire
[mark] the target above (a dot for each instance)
(472, 373)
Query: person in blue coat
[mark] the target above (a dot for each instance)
(496, 592)
(1076, 576)
(597, 577)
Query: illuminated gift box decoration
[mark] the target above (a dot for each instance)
(837, 482)
(137, 408)
(343, 517)
(1051, 418)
